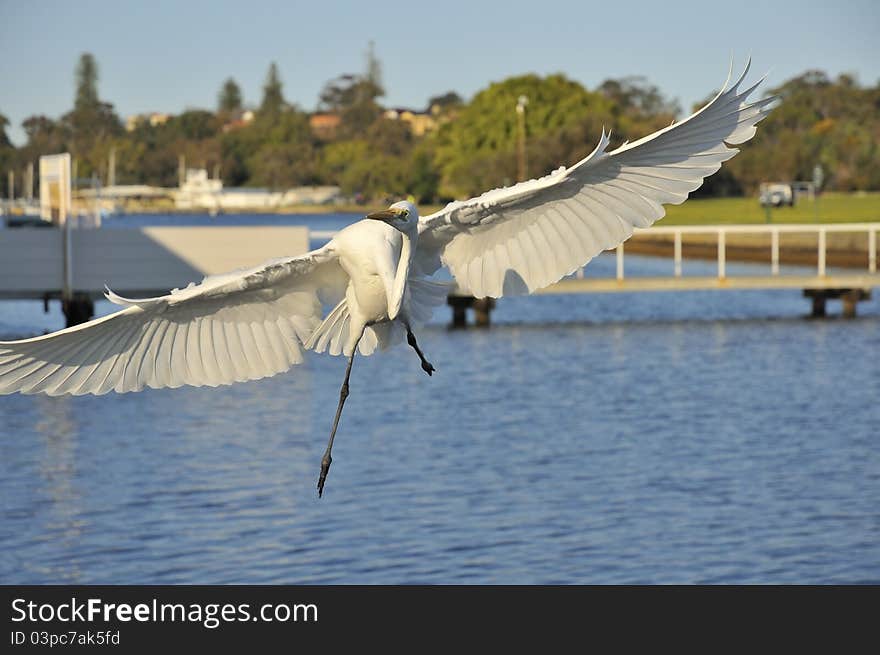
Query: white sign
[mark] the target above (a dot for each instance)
(55, 187)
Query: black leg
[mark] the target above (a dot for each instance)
(343, 394)
(411, 340)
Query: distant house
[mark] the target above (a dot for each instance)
(324, 124)
(420, 122)
(239, 119)
(153, 118)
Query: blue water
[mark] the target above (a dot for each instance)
(682, 437)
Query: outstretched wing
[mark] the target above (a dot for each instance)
(238, 326)
(522, 238)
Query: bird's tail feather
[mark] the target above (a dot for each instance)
(333, 334)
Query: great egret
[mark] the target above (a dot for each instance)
(257, 322)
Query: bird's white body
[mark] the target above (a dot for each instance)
(369, 286)
(369, 251)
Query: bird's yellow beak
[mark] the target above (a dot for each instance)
(386, 215)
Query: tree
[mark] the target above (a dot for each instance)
(91, 126)
(193, 125)
(477, 151)
(641, 108)
(354, 97)
(4, 139)
(7, 153)
(44, 136)
(423, 177)
(835, 123)
(373, 75)
(229, 99)
(339, 93)
(445, 102)
(280, 154)
(636, 95)
(363, 170)
(86, 84)
(273, 98)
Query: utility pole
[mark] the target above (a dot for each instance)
(111, 167)
(29, 182)
(521, 103)
(10, 178)
(181, 170)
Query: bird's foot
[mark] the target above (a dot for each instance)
(326, 460)
(427, 367)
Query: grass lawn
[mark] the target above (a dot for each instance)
(832, 208)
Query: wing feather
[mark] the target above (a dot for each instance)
(536, 232)
(238, 326)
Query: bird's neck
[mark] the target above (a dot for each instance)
(400, 276)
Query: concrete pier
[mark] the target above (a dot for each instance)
(137, 263)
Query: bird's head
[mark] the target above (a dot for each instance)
(402, 216)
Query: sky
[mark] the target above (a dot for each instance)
(171, 55)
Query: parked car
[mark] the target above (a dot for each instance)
(776, 195)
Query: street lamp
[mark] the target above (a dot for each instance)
(521, 103)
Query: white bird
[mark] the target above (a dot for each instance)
(253, 323)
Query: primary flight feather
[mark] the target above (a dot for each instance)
(257, 322)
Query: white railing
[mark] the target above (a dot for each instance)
(721, 232)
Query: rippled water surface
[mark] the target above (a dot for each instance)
(687, 437)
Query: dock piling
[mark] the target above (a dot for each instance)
(79, 308)
(482, 310)
(849, 299)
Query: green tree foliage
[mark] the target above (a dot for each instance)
(86, 84)
(149, 154)
(354, 99)
(819, 121)
(7, 153)
(44, 136)
(640, 107)
(91, 118)
(832, 122)
(423, 180)
(373, 75)
(5, 143)
(477, 151)
(194, 125)
(282, 151)
(446, 101)
(229, 100)
(361, 170)
(374, 165)
(89, 130)
(273, 97)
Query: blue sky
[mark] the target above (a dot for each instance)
(167, 56)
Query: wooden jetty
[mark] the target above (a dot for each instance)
(849, 285)
(41, 263)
